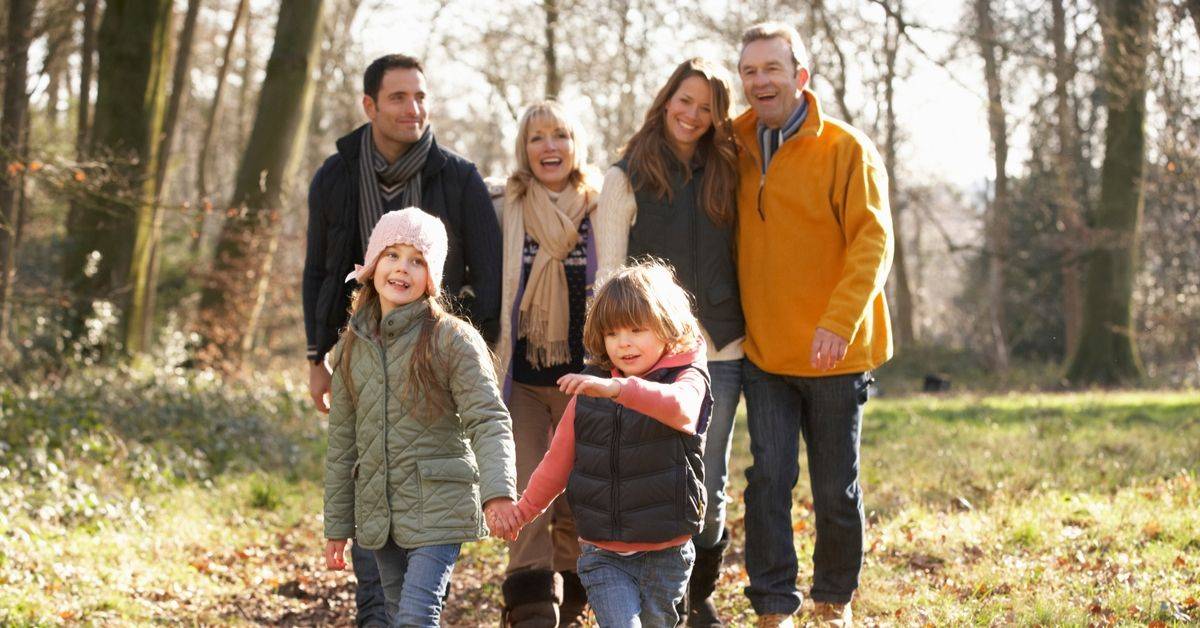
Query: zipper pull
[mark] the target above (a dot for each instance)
(762, 182)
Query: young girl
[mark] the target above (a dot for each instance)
(628, 449)
(673, 196)
(418, 435)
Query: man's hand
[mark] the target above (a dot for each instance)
(578, 384)
(335, 554)
(828, 349)
(502, 517)
(319, 381)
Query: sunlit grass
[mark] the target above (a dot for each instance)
(982, 510)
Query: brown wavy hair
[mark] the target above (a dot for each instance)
(645, 294)
(649, 153)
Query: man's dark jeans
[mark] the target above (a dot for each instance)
(368, 592)
(827, 412)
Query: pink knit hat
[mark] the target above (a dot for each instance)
(411, 226)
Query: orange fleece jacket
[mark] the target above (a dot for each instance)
(676, 404)
(815, 245)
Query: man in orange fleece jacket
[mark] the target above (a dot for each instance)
(814, 250)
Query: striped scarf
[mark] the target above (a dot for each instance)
(379, 181)
(769, 140)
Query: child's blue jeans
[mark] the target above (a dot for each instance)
(415, 581)
(641, 589)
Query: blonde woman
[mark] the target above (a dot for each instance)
(549, 263)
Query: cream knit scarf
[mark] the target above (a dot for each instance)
(545, 311)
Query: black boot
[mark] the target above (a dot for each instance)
(705, 573)
(574, 600)
(531, 599)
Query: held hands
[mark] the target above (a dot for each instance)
(828, 349)
(503, 519)
(335, 554)
(590, 385)
(319, 382)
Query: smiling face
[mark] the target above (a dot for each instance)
(634, 350)
(401, 276)
(397, 113)
(551, 152)
(689, 114)
(771, 81)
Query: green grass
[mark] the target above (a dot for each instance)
(168, 498)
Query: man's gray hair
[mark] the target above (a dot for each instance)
(771, 30)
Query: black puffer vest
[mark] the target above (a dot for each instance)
(680, 232)
(634, 479)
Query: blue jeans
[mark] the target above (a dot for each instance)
(827, 412)
(415, 581)
(726, 378)
(641, 589)
(368, 593)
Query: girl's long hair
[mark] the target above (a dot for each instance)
(424, 378)
(649, 153)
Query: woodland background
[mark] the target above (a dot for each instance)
(156, 156)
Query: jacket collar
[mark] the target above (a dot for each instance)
(745, 127)
(348, 148)
(397, 322)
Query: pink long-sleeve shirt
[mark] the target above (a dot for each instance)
(676, 404)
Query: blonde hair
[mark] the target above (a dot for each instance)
(581, 176)
(772, 30)
(647, 295)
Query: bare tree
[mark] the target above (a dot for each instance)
(214, 110)
(553, 79)
(116, 226)
(145, 291)
(19, 32)
(996, 229)
(905, 315)
(1068, 178)
(235, 292)
(87, 54)
(1107, 353)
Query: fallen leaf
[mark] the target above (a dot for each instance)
(79, 175)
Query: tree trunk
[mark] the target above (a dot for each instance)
(116, 223)
(553, 78)
(18, 34)
(1067, 178)
(244, 251)
(996, 229)
(214, 110)
(904, 299)
(1107, 353)
(87, 53)
(145, 279)
(839, 84)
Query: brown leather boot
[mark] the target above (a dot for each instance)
(573, 610)
(531, 599)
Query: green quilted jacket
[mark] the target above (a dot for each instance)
(396, 465)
